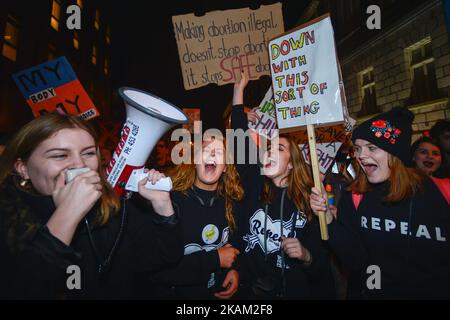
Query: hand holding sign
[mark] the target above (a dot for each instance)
(307, 90)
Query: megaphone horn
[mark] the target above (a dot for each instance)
(148, 118)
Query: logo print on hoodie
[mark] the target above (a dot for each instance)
(256, 235)
(194, 247)
(210, 234)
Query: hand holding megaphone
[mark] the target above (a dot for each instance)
(148, 118)
(155, 180)
(160, 199)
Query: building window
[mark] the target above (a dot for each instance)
(106, 67)
(97, 20)
(94, 55)
(76, 40)
(367, 91)
(421, 67)
(108, 36)
(56, 14)
(11, 39)
(51, 52)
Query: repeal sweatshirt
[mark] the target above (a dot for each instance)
(408, 241)
(262, 261)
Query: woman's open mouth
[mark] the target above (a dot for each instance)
(269, 163)
(369, 168)
(210, 167)
(428, 164)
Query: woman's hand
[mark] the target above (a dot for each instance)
(227, 256)
(160, 200)
(318, 202)
(252, 116)
(239, 87)
(294, 249)
(231, 285)
(73, 201)
(79, 195)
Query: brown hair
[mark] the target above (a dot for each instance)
(32, 135)
(404, 182)
(229, 187)
(299, 180)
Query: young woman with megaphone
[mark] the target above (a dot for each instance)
(75, 239)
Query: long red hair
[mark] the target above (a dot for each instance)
(229, 187)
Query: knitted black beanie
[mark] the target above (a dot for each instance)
(390, 131)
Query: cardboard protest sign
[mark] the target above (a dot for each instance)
(266, 125)
(52, 86)
(193, 115)
(214, 48)
(305, 76)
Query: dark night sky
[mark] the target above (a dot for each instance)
(146, 55)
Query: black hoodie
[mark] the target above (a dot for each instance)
(205, 230)
(261, 262)
(34, 265)
(414, 266)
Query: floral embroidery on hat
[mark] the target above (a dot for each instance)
(383, 128)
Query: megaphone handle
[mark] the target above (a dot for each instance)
(165, 184)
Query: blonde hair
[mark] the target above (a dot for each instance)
(32, 135)
(229, 187)
(404, 182)
(299, 180)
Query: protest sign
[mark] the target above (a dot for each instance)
(53, 86)
(305, 76)
(214, 48)
(266, 122)
(307, 87)
(328, 139)
(193, 115)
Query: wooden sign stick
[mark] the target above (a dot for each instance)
(316, 177)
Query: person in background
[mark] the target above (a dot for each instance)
(426, 155)
(106, 155)
(160, 158)
(441, 133)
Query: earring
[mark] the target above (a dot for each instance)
(23, 182)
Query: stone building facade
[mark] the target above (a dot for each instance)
(407, 63)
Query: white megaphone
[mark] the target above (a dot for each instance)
(148, 118)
